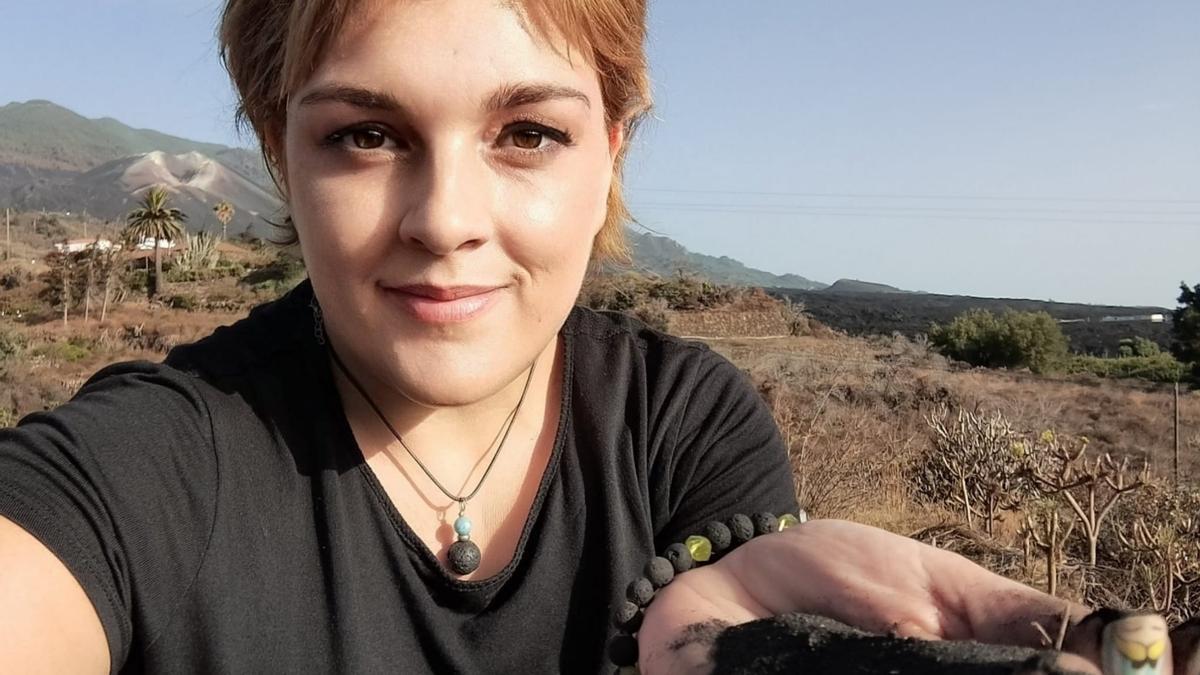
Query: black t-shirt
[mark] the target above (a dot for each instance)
(217, 510)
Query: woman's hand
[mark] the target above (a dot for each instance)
(858, 575)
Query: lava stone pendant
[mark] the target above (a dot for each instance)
(464, 556)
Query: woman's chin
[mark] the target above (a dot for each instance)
(451, 392)
(442, 380)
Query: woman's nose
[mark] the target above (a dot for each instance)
(448, 202)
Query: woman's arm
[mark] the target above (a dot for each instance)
(114, 493)
(48, 623)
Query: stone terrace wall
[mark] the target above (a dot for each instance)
(728, 323)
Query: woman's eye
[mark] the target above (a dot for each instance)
(355, 139)
(528, 139)
(367, 139)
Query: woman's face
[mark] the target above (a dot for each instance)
(439, 146)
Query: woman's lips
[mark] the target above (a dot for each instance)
(430, 310)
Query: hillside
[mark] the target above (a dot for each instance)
(195, 182)
(912, 313)
(41, 135)
(665, 256)
(856, 286)
(55, 160)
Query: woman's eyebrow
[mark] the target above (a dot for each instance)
(509, 95)
(517, 94)
(353, 96)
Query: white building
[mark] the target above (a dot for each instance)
(77, 245)
(147, 244)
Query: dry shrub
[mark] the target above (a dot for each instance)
(797, 320)
(977, 463)
(901, 350)
(653, 313)
(846, 459)
(977, 546)
(1150, 558)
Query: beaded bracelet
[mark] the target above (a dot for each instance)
(715, 540)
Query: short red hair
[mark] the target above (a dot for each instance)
(272, 47)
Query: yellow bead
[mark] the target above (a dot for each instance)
(699, 547)
(787, 520)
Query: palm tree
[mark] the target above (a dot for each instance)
(154, 219)
(224, 212)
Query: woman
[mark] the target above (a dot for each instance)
(425, 458)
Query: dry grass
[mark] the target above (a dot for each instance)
(56, 359)
(852, 411)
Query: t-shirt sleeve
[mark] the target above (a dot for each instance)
(727, 457)
(120, 484)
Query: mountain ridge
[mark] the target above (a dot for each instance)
(40, 134)
(664, 256)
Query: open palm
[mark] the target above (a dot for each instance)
(859, 575)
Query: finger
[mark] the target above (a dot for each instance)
(1185, 647)
(906, 628)
(1085, 637)
(1057, 664)
(999, 610)
(1070, 663)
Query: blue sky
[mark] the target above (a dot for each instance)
(1021, 148)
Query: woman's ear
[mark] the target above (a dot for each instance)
(273, 151)
(616, 139)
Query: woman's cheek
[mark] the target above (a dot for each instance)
(342, 214)
(574, 206)
(549, 233)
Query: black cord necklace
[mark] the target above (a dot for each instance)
(464, 555)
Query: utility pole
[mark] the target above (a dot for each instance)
(7, 236)
(1177, 435)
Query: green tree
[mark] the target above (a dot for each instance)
(1136, 347)
(64, 281)
(224, 212)
(1186, 328)
(1035, 339)
(1031, 340)
(155, 219)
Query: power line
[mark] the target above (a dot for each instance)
(817, 211)
(865, 195)
(948, 209)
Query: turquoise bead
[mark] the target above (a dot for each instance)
(462, 526)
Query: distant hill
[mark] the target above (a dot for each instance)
(856, 286)
(1090, 328)
(41, 135)
(56, 160)
(195, 183)
(665, 256)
